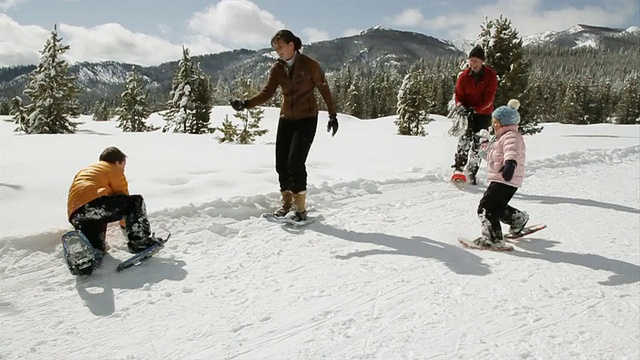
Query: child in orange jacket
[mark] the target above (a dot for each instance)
(99, 194)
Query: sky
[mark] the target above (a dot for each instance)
(378, 275)
(151, 32)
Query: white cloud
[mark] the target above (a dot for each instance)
(239, 22)
(6, 4)
(112, 41)
(528, 17)
(164, 28)
(200, 45)
(314, 35)
(351, 32)
(232, 22)
(21, 44)
(408, 17)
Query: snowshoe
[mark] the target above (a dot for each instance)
(81, 257)
(459, 179)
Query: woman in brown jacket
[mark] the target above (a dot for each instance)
(298, 76)
(99, 194)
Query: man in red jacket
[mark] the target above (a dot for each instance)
(474, 95)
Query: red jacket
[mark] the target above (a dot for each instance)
(478, 94)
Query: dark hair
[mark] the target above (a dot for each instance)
(288, 37)
(112, 155)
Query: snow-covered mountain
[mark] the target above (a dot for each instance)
(587, 36)
(575, 37)
(376, 45)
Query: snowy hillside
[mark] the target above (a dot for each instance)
(587, 36)
(379, 276)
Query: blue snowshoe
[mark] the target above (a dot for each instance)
(82, 258)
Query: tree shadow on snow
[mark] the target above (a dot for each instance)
(454, 257)
(91, 132)
(154, 270)
(554, 200)
(624, 272)
(12, 186)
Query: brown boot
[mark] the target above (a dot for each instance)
(299, 202)
(285, 203)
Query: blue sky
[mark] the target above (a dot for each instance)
(150, 32)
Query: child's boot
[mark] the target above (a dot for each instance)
(491, 235)
(518, 222)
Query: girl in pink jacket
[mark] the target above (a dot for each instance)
(505, 156)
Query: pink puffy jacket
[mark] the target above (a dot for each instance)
(508, 145)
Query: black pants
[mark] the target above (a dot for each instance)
(494, 208)
(92, 218)
(470, 143)
(293, 142)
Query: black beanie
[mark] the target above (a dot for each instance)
(477, 52)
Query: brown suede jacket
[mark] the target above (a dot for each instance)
(298, 84)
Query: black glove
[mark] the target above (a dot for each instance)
(332, 124)
(507, 169)
(238, 105)
(469, 112)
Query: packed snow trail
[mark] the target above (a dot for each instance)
(380, 277)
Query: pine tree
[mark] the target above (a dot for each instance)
(5, 108)
(188, 110)
(133, 112)
(605, 101)
(504, 53)
(250, 118)
(101, 112)
(355, 104)
(221, 92)
(52, 91)
(202, 104)
(250, 125)
(413, 102)
(19, 115)
(628, 110)
(376, 93)
(571, 111)
(391, 87)
(228, 130)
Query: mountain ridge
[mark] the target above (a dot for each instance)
(375, 46)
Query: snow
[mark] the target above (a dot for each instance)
(592, 43)
(379, 276)
(576, 29)
(633, 29)
(463, 45)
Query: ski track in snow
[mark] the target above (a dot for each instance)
(334, 290)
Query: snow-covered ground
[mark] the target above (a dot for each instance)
(380, 276)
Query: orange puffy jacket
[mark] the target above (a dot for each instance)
(94, 181)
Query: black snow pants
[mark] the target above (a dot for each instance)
(293, 142)
(494, 208)
(92, 218)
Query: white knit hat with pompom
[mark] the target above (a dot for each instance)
(514, 103)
